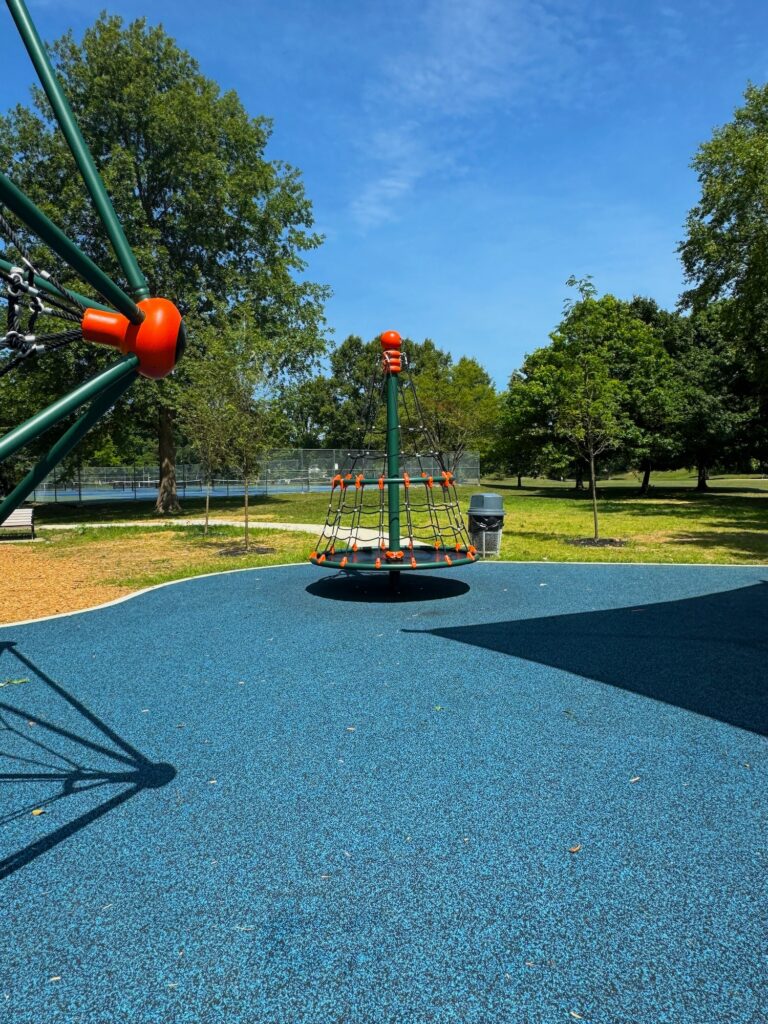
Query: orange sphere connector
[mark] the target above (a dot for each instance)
(390, 343)
(158, 341)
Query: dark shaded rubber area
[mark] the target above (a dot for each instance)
(511, 793)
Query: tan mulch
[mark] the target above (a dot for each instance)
(50, 576)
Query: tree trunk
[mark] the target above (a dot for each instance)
(579, 480)
(703, 471)
(593, 488)
(645, 485)
(519, 480)
(207, 504)
(246, 512)
(167, 499)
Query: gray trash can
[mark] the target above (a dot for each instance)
(486, 521)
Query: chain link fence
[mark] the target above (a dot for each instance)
(283, 471)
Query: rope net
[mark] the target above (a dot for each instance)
(431, 529)
(27, 303)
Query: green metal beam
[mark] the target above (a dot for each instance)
(54, 237)
(46, 286)
(35, 426)
(393, 462)
(80, 151)
(101, 404)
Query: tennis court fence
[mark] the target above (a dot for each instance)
(283, 471)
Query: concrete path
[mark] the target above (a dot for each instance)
(363, 534)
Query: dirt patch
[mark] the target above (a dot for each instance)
(36, 584)
(63, 573)
(238, 549)
(590, 542)
(55, 575)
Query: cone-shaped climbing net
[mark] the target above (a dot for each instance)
(381, 519)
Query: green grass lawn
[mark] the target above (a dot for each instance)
(674, 523)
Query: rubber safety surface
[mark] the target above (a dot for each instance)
(529, 793)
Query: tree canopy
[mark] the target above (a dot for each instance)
(217, 226)
(725, 252)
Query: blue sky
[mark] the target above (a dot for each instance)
(464, 157)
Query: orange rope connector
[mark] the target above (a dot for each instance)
(322, 557)
(406, 480)
(359, 480)
(472, 549)
(354, 546)
(448, 560)
(410, 543)
(377, 564)
(348, 476)
(437, 545)
(343, 562)
(383, 545)
(335, 480)
(381, 483)
(424, 475)
(332, 551)
(430, 482)
(458, 546)
(313, 554)
(413, 562)
(391, 355)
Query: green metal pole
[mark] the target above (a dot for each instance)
(80, 151)
(393, 462)
(46, 286)
(53, 236)
(100, 405)
(47, 418)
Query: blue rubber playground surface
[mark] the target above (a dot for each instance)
(524, 793)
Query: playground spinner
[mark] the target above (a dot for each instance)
(148, 331)
(393, 522)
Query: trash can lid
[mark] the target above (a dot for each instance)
(486, 504)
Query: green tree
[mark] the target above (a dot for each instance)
(461, 410)
(206, 415)
(355, 365)
(725, 252)
(657, 400)
(527, 444)
(576, 397)
(717, 415)
(216, 227)
(309, 409)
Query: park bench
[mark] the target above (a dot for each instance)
(22, 519)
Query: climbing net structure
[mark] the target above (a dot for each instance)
(381, 519)
(44, 315)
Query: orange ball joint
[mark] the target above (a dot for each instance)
(158, 341)
(390, 344)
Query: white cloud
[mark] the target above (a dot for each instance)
(462, 59)
(401, 161)
(461, 65)
(478, 52)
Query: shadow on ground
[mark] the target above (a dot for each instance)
(706, 654)
(375, 588)
(37, 753)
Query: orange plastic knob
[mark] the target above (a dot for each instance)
(390, 340)
(158, 341)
